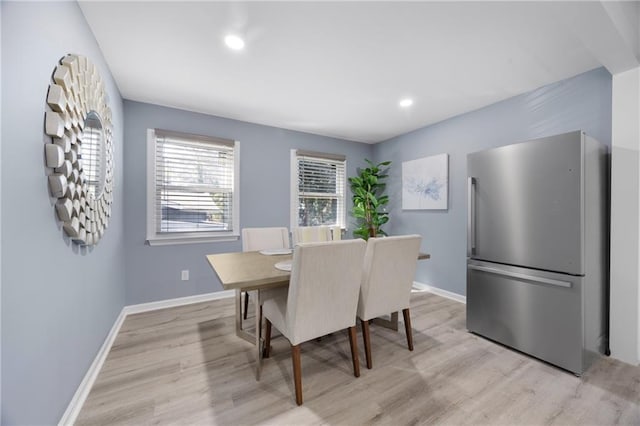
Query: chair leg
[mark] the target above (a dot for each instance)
(407, 328)
(297, 372)
(367, 342)
(246, 303)
(267, 338)
(353, 342)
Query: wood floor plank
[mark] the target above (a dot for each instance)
(184, 365)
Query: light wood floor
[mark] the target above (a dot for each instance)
(186, 366)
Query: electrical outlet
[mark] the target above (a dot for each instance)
(185, 275)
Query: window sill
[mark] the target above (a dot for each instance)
(177, 240)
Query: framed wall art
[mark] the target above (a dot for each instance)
(425, 183)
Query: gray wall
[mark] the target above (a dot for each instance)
(1, 7)
(58, 301)
(582, 102)
(153, 273)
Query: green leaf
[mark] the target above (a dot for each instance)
(358, 212)
(362, 233)
(355, 181)
(385, 163)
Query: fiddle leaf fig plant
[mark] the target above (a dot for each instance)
(368, 200)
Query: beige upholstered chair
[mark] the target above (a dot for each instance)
(389, 270)
(322, 298)
(311, 234)
(255, 239)
(315, 234)
(336, 233)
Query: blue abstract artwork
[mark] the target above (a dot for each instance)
(425, 183)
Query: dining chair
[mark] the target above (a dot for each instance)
(255, 239)
(322, 299)
(311, 234)
(389, 270)
(336, 232)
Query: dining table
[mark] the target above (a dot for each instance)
(256, 271)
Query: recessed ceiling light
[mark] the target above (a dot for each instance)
(406, 102)
(234, 42)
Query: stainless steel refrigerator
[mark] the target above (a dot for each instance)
(537, 231)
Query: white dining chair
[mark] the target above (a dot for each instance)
(255, 239)
(310, 234)
(322, 299)
(315, 234)
(389, 270)
(336, 232)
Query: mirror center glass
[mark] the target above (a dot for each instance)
(93, 154)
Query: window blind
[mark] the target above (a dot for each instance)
(320, 189)
(194, 184)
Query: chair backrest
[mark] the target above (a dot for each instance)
(315, 234)
(254, 239)
(336, 232)
(311, 234)
(389, 270)
(323, 289)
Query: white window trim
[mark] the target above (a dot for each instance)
(155, 239)
(293, 191)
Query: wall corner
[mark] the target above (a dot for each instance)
(625, 209)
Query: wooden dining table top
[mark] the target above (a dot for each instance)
(248, 270)
(251, 270)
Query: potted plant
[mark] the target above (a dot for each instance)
(368, 201)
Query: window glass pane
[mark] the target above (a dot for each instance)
(318, 211)
(321, 191)
(194, 186)
(195, 211)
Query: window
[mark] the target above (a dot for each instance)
(317, 189)
(192, 190)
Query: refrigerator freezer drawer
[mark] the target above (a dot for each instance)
(536, 312)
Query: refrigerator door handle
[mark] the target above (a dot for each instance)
(527, 277)
(471, 216)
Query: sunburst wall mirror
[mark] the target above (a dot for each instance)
(80, 154)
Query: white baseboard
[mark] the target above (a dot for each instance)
(180, 301)
(71, 413)
(440, 292)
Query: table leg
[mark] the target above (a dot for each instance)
(238, 311)
(391, 323)
(258, 334)
(240, 331)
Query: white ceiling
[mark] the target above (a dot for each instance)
(339, 68)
